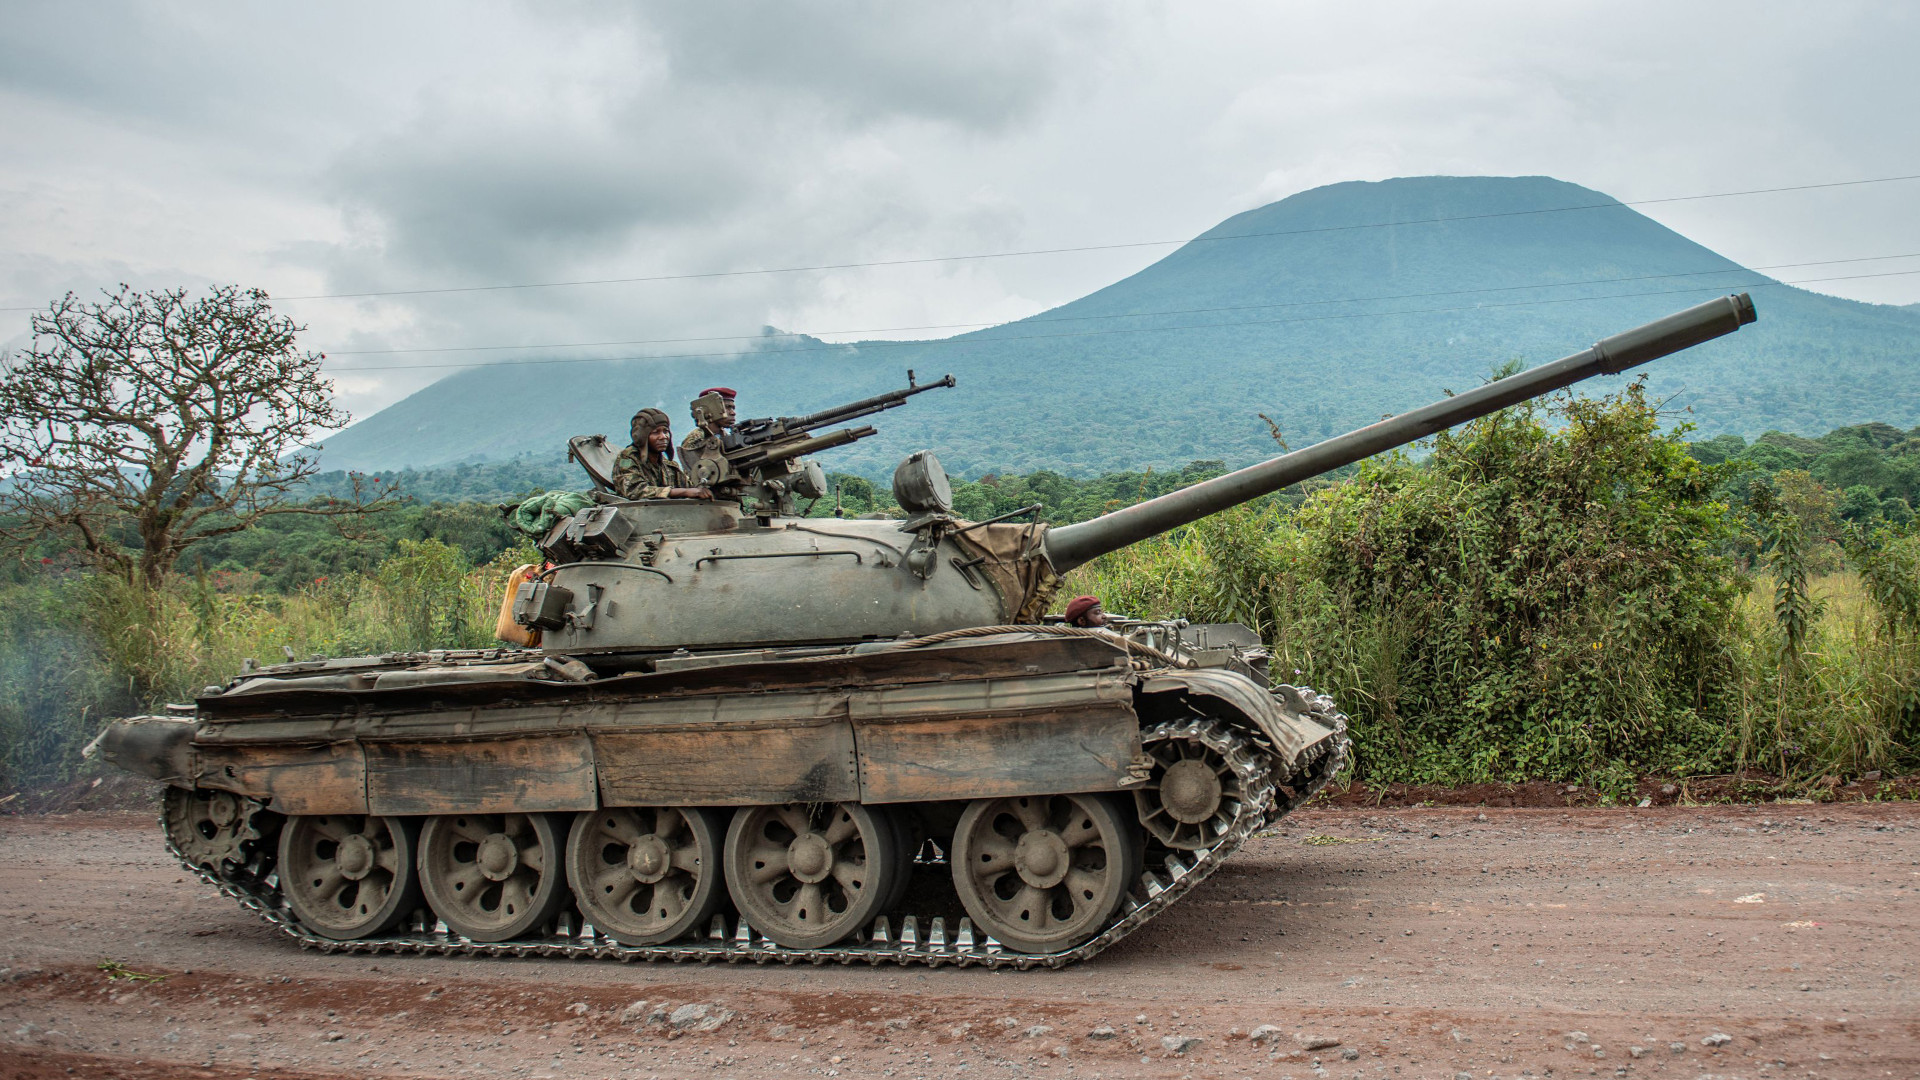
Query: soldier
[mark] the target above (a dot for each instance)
(1085, 611)
(702, 450)
(646, 469)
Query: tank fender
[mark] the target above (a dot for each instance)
(156, 746)
(1286, 723)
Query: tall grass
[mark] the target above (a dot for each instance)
(1849, 703)
(76, 652)
(1846, 703)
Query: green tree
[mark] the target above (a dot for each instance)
(424, 584)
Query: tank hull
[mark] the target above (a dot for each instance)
(1019, 713)
(920, 731)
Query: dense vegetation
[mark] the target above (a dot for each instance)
(1571, 602)
(1872, 469)
(1562, 592)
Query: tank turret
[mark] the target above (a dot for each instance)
(743, 733)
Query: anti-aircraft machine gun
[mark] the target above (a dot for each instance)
(744, 732)
(769, 454)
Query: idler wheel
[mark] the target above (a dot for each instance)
(646, 875)
(349, 876)
(1184, 802)
(808, 875)
(1044, 873)
(492, 877)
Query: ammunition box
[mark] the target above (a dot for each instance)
(541, 606)
(599, 532)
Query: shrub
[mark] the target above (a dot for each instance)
(1535, 600)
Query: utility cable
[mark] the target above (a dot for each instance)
(878, 263)
(921, 261)
(1043, 318)
(1106, 333)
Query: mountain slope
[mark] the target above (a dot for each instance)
(1306, 309)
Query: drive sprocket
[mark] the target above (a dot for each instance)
(209, 828)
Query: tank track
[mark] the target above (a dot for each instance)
(891, 940)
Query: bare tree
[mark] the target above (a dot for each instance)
(145, 422)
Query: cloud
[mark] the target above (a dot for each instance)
(686, 120)
(514, 196)
(691, 138)
(363, 146)
(975, 66)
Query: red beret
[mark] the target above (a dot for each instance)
(723, 391)
(1078, 606)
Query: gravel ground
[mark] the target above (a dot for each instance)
(1727, 941)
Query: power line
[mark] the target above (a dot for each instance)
(1114, 315)
(1076, 249)
(1115, 331)
(873, 264)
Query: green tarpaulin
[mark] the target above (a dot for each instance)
(537, 516)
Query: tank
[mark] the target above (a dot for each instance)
(735, 733)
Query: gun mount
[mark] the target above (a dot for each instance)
(749, 433)
(730, 701)
(768, 453)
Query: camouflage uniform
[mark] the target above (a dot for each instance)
(639, 473)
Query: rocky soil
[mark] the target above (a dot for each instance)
(1728, 941)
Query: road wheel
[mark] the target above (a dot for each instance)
(492, 877)
(646, 875)
(1044, 873)
(349, 876)
(808, 875)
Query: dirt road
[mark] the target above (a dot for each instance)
(1429, 943)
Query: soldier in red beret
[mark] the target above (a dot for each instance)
(1085, 611)
(702, 452)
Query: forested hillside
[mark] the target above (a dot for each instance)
(1871, 470)
(1300, 310)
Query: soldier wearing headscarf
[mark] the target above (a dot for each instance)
(646, 469)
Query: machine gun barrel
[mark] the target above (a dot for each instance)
(769, 453)
(756, 432)
(1071, 545)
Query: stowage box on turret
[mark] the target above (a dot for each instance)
(742, 734)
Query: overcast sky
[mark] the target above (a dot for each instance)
(344, 147)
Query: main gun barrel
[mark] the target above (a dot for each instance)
(1071, 545)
